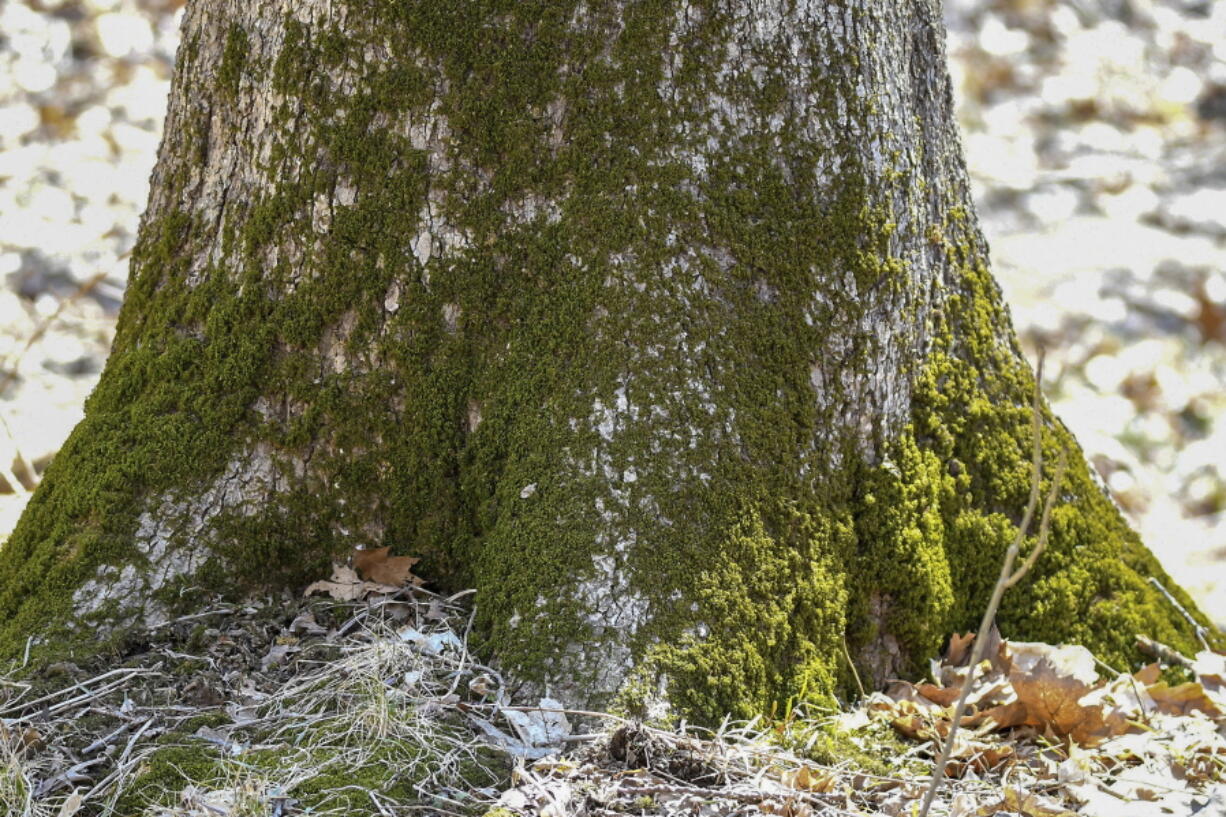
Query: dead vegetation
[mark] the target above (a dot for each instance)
(375, 706)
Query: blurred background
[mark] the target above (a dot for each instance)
(1095, 131)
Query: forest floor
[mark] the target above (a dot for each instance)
(374, 706)
(1095, 132)
(1096, 138)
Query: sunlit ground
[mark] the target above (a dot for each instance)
(1096, 140)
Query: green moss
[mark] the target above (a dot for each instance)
(322, 772)
(233, 61)
(972, 422)
(778, 606)
(209, 719)
(161, 778)
(639, 333)
(874, 748)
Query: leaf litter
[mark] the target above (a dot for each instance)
(370, 572)
(364, 701)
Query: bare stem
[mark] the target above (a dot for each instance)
(1008, 578)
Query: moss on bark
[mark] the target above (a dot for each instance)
(662, 326)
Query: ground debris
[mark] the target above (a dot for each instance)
(377, 707)
(285, 707)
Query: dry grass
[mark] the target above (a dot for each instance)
(369, 715)
(18, 781)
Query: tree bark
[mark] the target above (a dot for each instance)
(665, 324)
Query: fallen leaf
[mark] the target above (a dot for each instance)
(939, 695)
(959, 649)
(1001, 716)
(306, 624)
(790, 807)
(978, 755)
(20, 740)
(806, 778)
(72, 805)
(1016, 801)
(432, 643)
(276, 656)
(545, 725)
(346, 586)
(899, 691)
(913, 726)
(1148, 674)
(376, 565)
(1182, 699)
(1210, 668)
(1051, 683)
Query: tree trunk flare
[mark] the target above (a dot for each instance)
(665, 325)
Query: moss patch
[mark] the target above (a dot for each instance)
(520, 293)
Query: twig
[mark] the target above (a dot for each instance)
(62, 705)
(125, 671)
(74, 774)
(1196, 625)
(1008, 578)
(214, 612)
(107, 740)
(127, 750)
(1160, 651)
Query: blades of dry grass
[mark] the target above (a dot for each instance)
(19, 776)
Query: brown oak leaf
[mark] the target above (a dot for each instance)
(1182, 699)
(1052, 682)
(375, 565)
(959, 649)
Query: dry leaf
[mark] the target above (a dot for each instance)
(1002, 716)
(346, 586)
(1016, 801)
(1148, 674)
(810, 779)
(1052, 681)
(787, 808)
(978, 755)
(899, 691)
(306, 624)
(1054, 689)
(1210, 669)
(945, 696)
(959, 650)
(1182, 699)
(1049, 688)
(20, 739)
(910, 721)
(72, 805)
(376, 565)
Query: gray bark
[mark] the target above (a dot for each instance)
(613, 310)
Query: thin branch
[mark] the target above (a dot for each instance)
(1044, 520)
(1196, 625)
(1007, 578)
(854, 672)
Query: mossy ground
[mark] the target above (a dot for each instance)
(335, 723)
(322, 780)
(578, 260)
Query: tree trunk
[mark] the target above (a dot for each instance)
(666, 325)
